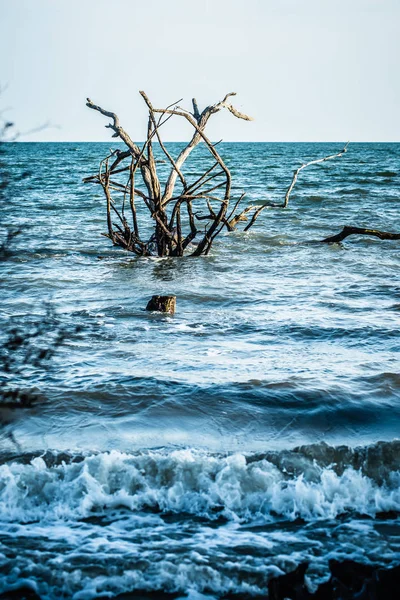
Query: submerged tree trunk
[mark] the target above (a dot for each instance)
(165, 304)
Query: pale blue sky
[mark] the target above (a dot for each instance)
(304, 69)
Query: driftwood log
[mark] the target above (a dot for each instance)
(347, 230)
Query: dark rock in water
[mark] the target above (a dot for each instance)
(165, 304)
(350, 578)
(290, 585)
(22, 593)
(349, 581)
(388, 583)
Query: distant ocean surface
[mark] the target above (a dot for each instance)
(207, 452)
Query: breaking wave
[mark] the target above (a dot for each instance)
(310, 482)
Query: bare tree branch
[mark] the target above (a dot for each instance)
(199, 122)
(262, 207)
(312, 162)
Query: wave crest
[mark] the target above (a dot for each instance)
(235, 487)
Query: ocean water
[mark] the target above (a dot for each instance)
(206, 452)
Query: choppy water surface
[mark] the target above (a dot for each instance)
(206, 452)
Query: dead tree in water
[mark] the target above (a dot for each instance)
(175, 213)
(175, 208)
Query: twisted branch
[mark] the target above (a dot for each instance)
(312, 162)
(262, 207)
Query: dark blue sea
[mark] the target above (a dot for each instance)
(206, 452)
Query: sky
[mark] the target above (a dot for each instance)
(305, 70)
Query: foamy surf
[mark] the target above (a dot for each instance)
(192, 522)
(235, 487)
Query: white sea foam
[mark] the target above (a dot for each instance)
(110, 523)
(186, 481)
